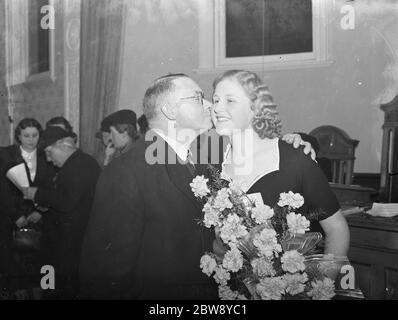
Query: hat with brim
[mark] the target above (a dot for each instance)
(124, 116)
(51, 135)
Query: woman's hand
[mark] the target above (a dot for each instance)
(34, 217)
(109, 152)
(21, 222)
(296, 140)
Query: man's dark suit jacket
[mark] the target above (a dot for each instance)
(143, 240)
(69, 201)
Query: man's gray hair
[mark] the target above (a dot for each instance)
(156, 93)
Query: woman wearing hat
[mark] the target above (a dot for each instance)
(15, 212)
(118, 133)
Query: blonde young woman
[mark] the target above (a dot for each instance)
(245, 112)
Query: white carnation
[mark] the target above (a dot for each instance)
(262, 267)
(207, 264)
(232, 229)
(295, 283)
(233, 260)
(293, 200)
(322, 289)
(262, 213)
(267, 243)
(297, 223)
(211, 216)
(293, 261)
(199, 186)
(271, 288)
(225, 293)
(221, 276)
(222, 202)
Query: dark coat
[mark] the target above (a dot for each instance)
(69, 201)
(143, 240)
(12, 204)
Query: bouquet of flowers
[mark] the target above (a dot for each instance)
(267, 251)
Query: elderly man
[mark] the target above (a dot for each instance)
(143, 240)
(69, 201)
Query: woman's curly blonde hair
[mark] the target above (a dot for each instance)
(265, 122)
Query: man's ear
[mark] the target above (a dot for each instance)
(169, 111)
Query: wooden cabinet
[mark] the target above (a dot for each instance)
(374, 255)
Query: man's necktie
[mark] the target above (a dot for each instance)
(190, 163)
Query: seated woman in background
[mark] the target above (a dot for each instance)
(15, 212)
(244, 106)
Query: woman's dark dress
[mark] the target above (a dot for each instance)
(300, 174)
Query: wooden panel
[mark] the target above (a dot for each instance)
(362, 276)
(376, 239)
(391, 276)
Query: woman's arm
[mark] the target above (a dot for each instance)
(337, 233)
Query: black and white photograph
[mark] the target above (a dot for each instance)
(198, 156)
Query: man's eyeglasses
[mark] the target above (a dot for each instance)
(200, 96)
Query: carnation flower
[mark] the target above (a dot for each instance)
(266, 242)
(225, 293)
(207, 264)
(232, 229)
(262, 213)
(293, 200)
(221, 276)
(293, 261)
(271, 288)
(295, 283)
(222, 202)
(233, 260)
(211, 216)
(297, 223)
(263, 267)
(322, 289)
(199, 186)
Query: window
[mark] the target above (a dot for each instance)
(29, 47)
(39, 39)
(262, 34)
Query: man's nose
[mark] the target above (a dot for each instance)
(207, 104)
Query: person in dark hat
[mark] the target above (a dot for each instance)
(69, 201)
(118, 133)
(144, 125)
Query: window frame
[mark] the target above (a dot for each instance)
(17, 47)
(212, 49)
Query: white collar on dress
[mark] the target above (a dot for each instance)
(28, 156)
(265, 161)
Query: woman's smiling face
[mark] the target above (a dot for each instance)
(232, 107)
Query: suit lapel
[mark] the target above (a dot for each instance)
(178, 173)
